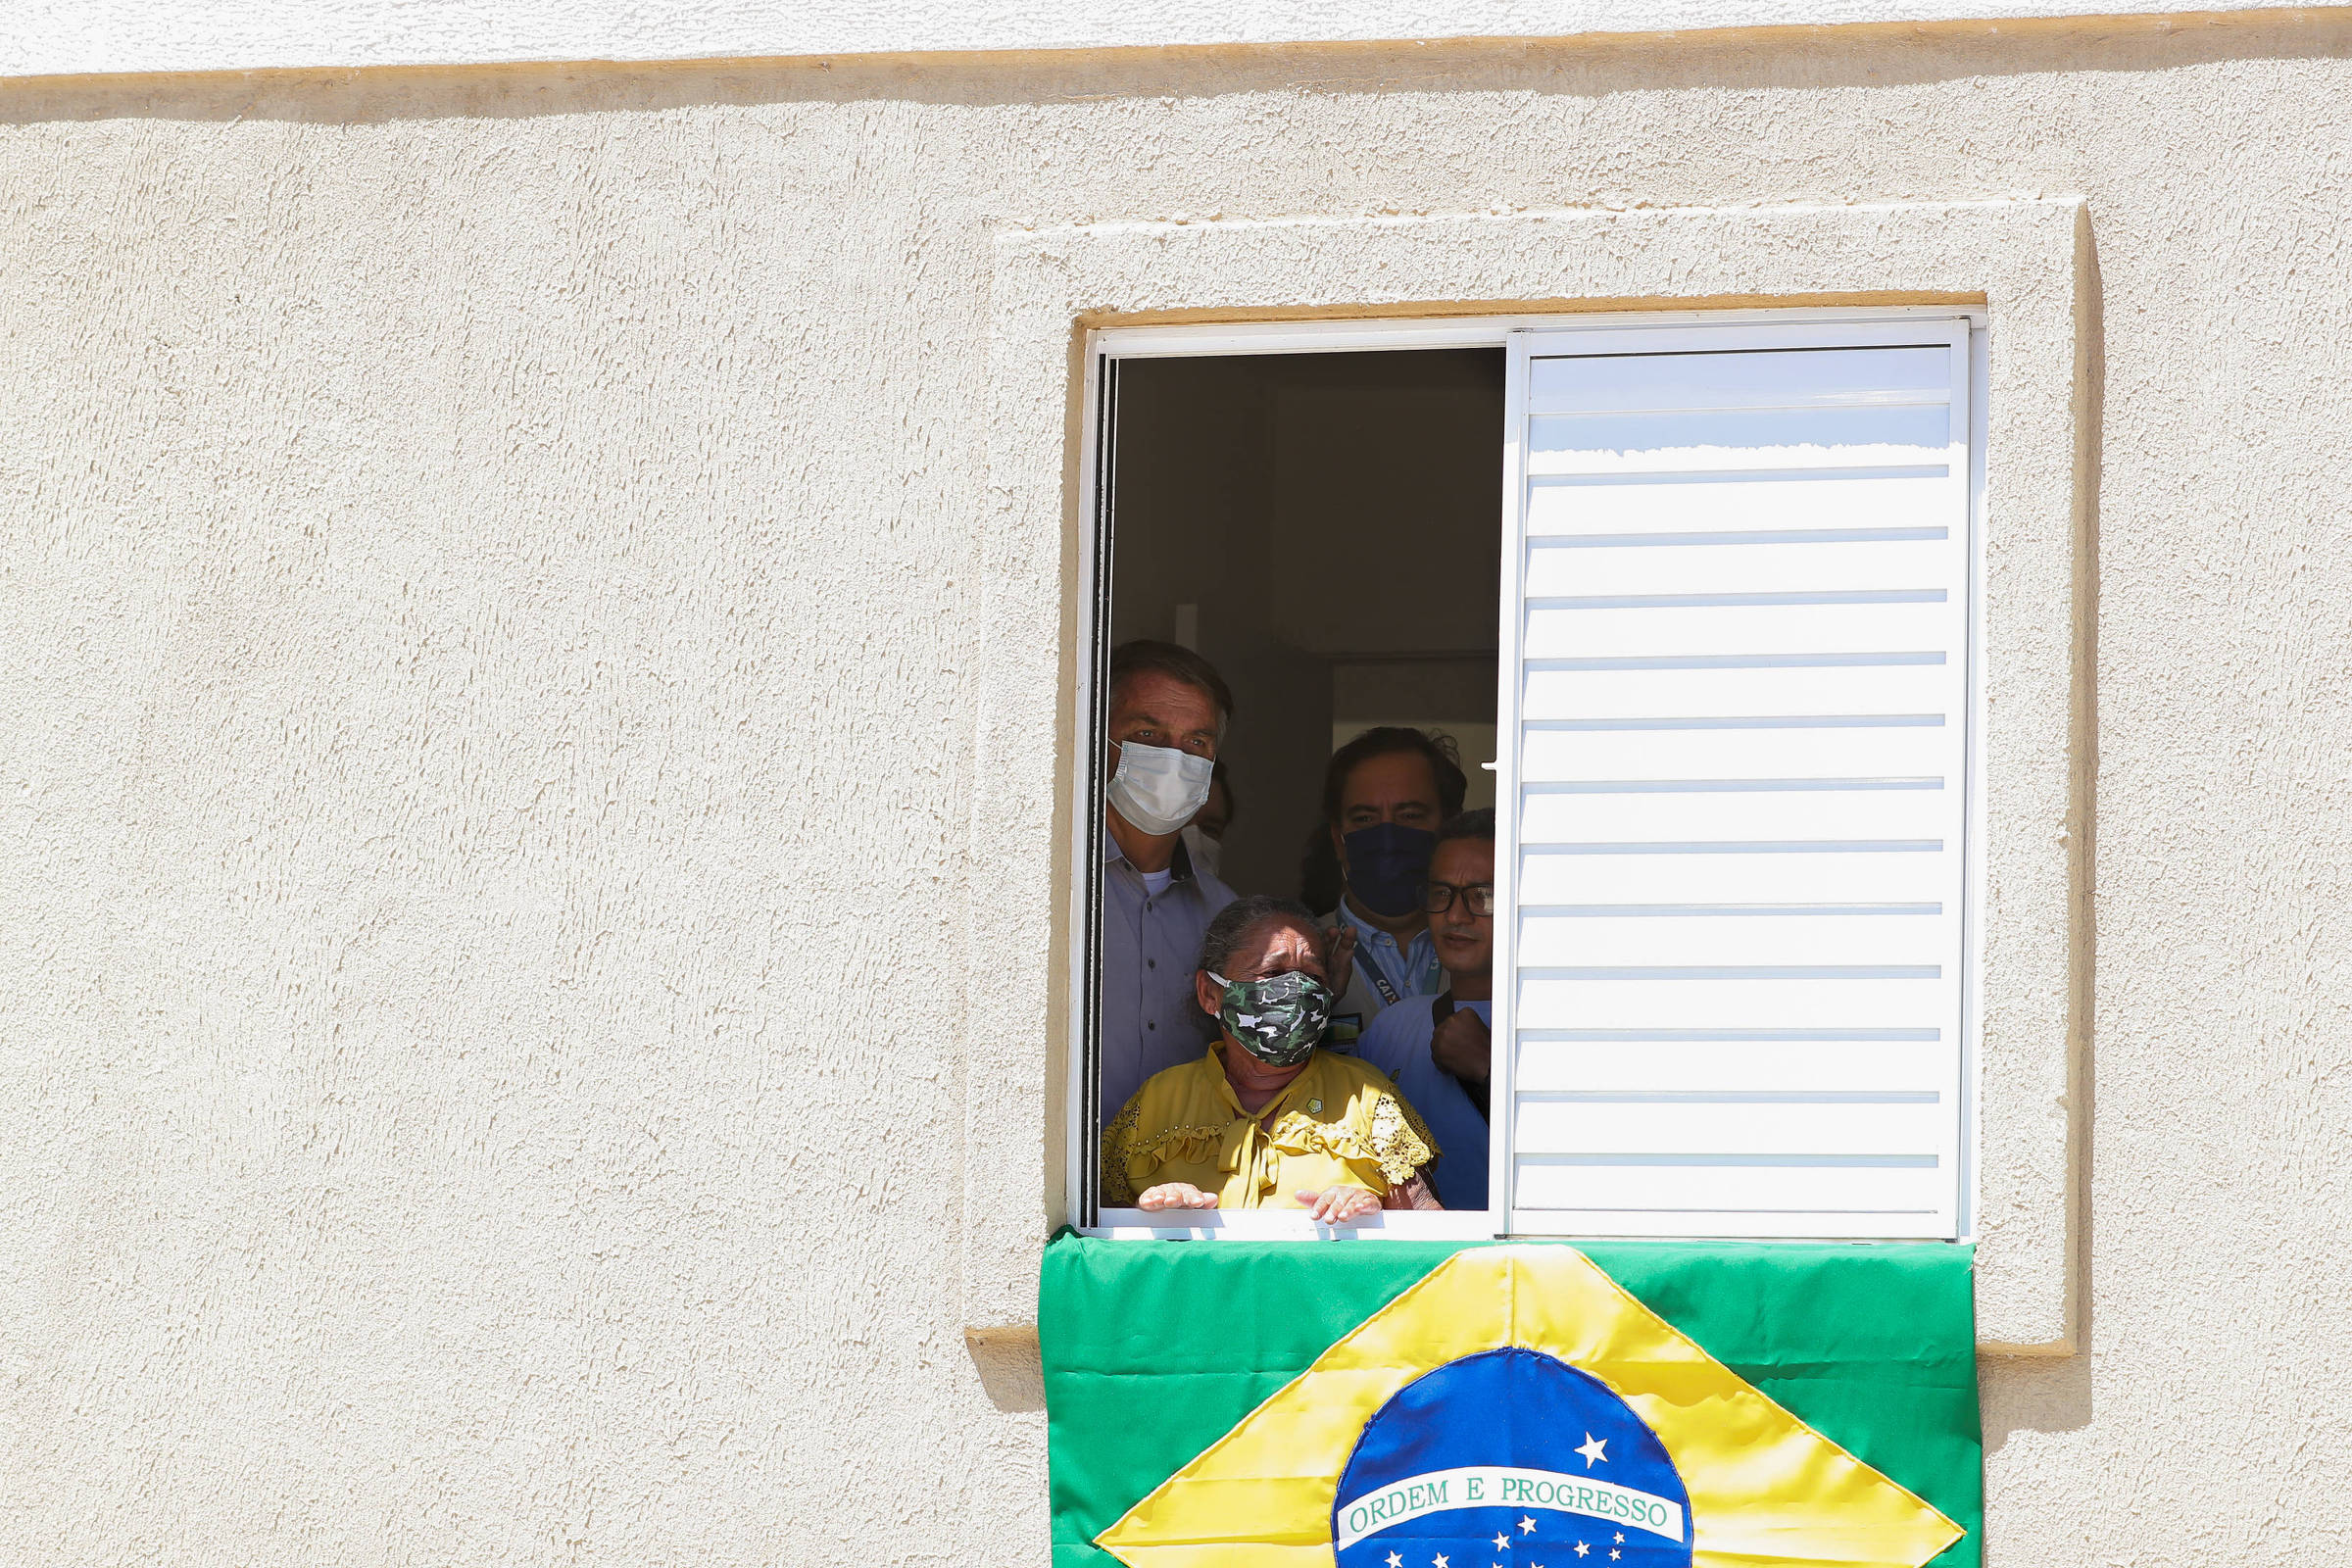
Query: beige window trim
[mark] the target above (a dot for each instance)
(2024, 263)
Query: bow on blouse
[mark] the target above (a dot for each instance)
(1247, 1147)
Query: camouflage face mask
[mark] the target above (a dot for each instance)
(1277, 1019)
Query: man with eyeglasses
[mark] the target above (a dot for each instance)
(1437, 1049)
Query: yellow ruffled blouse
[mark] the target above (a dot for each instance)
(1339, 1121)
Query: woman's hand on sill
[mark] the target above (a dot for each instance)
(1338, 1205)
(1175, 1195)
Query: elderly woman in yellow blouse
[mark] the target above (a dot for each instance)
(1265, 1119)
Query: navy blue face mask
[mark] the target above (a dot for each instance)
(1387, 865)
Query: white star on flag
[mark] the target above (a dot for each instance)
(1583, 1551)
(1595, 1449)
(1440, 1561)
(1527, 1527)
(1395, 1561)
(1621, 1538)
(1502, 1542)
(1614, 1554)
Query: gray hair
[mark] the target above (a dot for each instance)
(1234, 923)
(1145, 656)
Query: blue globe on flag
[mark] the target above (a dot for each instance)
(1509, 1458)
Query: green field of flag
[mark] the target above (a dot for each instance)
(1155, 1352)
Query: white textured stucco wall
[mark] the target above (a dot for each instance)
(486, 630)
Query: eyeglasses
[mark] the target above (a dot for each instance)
(1478, 898)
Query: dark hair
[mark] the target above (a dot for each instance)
(1223, 775)
(1145, 656)
(1234, 923)
(1320, 879)
(1393, 739)
(1478, 825)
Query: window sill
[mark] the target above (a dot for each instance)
(1261, 1225)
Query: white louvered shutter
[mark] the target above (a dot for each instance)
(1739, 943)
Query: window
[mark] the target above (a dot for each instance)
(1714, 638)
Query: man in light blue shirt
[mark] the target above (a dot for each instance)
(1168, 709)
(1152, 922)
(1384, 795)
(1437, 1049)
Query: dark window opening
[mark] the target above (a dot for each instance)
(1324, 530)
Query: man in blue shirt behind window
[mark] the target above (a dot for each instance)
(1437, 1049)
(1168, 711)
(1384, 795)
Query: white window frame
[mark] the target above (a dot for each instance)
(1828, 326)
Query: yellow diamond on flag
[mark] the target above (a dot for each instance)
(1763, 1488)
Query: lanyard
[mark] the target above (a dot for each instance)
(1390, 995)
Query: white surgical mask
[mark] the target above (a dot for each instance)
(1158, 787)
(1204, 849)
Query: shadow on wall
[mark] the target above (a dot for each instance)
(1012, 1372)
(1863, 56)
(2033, 1393)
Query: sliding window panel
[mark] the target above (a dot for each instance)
(1736, 938)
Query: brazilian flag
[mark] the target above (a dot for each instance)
(1373, 1403)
